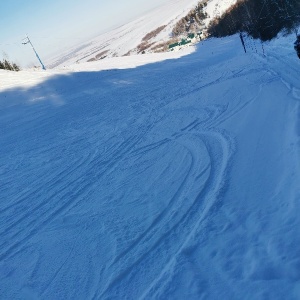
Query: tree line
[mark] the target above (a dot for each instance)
(7, 65)
(262, 19)
(192, 22)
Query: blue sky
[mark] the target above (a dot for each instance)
(54, 25)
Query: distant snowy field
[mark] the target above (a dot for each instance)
(118, 42)
(177, 179)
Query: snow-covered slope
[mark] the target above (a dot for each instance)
(173, 180)
(125, 39)
(30, 77)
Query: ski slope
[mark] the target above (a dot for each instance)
(177, 179)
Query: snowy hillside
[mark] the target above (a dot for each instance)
(173, 180)
(125, 40)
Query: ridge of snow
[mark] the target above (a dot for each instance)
(30, 77)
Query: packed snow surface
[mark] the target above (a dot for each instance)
(172, 180)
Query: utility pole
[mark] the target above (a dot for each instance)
(27, 41)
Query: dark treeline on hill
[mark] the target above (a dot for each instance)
(192, 22)
(262, 19)
(6, 65)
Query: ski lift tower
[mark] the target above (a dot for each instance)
(27, 41)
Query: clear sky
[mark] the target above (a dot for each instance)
(54, 25)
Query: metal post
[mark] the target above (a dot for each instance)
(242, 41)
(29, 42)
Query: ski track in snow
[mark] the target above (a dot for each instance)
(133, 184)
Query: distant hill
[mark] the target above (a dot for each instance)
(150, 33)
